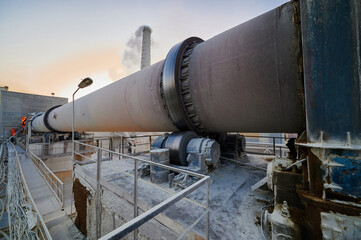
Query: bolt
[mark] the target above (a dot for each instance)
(284, 210)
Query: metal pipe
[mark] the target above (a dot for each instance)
(246, 79)
(98, 195)
(131, 104)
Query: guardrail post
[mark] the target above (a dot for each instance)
(62, 195)
(207, 205)
(98, 203)
(111, 149)
(274, 145)
(122, 147)
(119, 151)
(135, 196)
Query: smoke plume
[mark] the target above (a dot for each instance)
(132, 52)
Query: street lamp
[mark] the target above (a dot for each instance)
(83, 84)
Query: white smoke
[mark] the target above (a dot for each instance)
(132, 53)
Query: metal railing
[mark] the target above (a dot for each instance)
(54, 183)
(132, 144)
(267, 148)
(56, 149)
(137, 221)
(23, 217)
(39, 230)
(3, 188)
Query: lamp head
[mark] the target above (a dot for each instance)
(85, 82)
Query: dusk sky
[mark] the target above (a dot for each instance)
(49, 46)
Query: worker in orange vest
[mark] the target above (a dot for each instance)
(12, 131)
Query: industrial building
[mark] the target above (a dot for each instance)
(14, 105)
(180, 160)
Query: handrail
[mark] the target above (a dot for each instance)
(137, 221)
(40, 221)
(146, 161)
(253, 136)
(54, 183)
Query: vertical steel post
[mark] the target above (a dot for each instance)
(331, 34)
(274, 146)
(43, 146)
(281, 152)
(72, 151)
(98, 195)
(207, 205)
(113, 217)
(28, 137)
(111, 148)
(135, 195)
(122, 147)
(62, 195)
(72, 125)
(119, 151)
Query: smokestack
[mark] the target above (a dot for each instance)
(145, 61)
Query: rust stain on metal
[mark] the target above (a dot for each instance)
(197, 237)
(326, 206)
(314, 207)
(316, 181)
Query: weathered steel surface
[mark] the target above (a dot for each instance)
(332, 79)
(248, 78)
(331, 58)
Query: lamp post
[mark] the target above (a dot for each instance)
(83, 84)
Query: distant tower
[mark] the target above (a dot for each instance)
(145, 62)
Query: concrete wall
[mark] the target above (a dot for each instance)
(13, 105)
(59, 164)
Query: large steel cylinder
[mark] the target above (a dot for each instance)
(247, 79)
(132, 104)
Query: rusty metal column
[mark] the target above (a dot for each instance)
(331, 34)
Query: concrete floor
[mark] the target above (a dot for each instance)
(235, 210)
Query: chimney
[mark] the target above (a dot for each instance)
(145, 61)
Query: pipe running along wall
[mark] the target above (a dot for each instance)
(246, 79)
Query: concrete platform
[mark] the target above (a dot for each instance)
(235, 210)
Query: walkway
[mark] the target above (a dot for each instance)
(59, 224)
